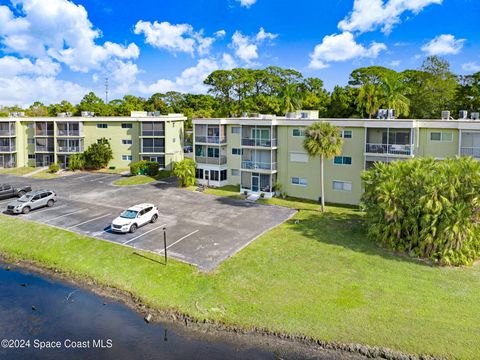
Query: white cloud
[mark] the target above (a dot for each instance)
(176, 37)
(246, 47)
(12, 66)
(445, 44)
(191, 79)
(471, 67)
(342, 47)
(247, 3)
(395, 63)
(61, 30)
(24, 90)
(369, 15)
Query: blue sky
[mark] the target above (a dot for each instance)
(58, 49)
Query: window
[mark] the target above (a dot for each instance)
(31, 141)
(342, 160)
(299, 181)
(236, 130)
(237, 151)
(127, 142)
(173, 140)
(127, 157)
(342, 185)
(199, 174)
(235, 172)
(30, 126)
(102, 126)
(31, 157)
(298, 157)
(441, 136)
(346, 134)
(214, 175)
(223, 175)
(126, 126)
(298, 132)
(213, 152)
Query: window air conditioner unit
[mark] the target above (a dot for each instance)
(445, 115)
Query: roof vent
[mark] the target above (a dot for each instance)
(463, 115)
(16, 114)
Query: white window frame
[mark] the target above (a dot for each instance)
(239, 151)
(302, 132)
(127, 142)
(236, 130)
(237, 172)
(343, 160)
(442, 133)
(127, 157)
(301, 183)
(343, 187)
(343, 134)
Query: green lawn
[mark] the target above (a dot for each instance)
(141, 179)
(230, 191)
(112, 171)
(315, 275)
(21, 171)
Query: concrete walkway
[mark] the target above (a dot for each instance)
(36, 171)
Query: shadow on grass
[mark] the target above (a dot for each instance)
(148, 258)
(345, 229)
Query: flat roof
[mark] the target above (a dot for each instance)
(164, 118)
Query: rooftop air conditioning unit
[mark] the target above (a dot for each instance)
(391, 114)
(87, 114)
(382, 114)
(463, 115)
(244, 114)
(291, 115)
(474, 115)
(62, 114)
(304, 115)
(445, 115)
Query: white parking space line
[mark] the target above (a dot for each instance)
(33, 212)
(82, 177)
(88, 221)
(145, 233)
(183, 238)
(61, 216)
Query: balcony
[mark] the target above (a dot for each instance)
(152, 150)
(70, 149)
(7, 133)
(254, 165)
(259, 142)
(7, 148)
(222, 160)
(69, 133)
(470, 151)
(44, 148)
(211, 139)
(153, 133)
(392, 149)
(44, 132)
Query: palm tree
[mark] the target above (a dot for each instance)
(369, 99)
(324, 140)
(290, 97)
(394, 91)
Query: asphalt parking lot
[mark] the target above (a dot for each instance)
(203, 230)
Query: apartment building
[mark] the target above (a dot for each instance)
(42, 141)
(261, 152)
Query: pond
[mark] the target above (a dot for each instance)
(49, 319)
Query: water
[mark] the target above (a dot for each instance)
(69, 315)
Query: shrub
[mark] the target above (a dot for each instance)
(53, 168)
(185, 172)
(426, 208)
(150, 168)
(98, 155)
(76, 162)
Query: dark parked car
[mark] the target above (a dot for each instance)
(187, 149)
(8, 191)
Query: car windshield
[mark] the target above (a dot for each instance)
(25, 198)
(129, 214)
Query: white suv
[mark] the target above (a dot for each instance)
(132, 218)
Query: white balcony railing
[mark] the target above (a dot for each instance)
(470, 151)
(211, 139)
(70, 149)
(393, 149)
(254, 165)
(259, 142)
(7, 148)
(222, 160)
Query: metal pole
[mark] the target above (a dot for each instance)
(165, 243)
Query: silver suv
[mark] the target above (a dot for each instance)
(32, 200)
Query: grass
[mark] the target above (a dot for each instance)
(230, 191)
(20, 171)
(316, 275)
(141, 179)
(45, 174)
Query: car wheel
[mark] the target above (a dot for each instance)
(133, 228)
(154, 218)
(20, 194)
(50, 203)
(26, 210)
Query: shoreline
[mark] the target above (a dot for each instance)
(253, 337)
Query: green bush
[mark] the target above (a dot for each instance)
(53, 168)
(185, 172)
(137, 167)
(76, 162)
(150, 168)
(426, 208)
(98, 154)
